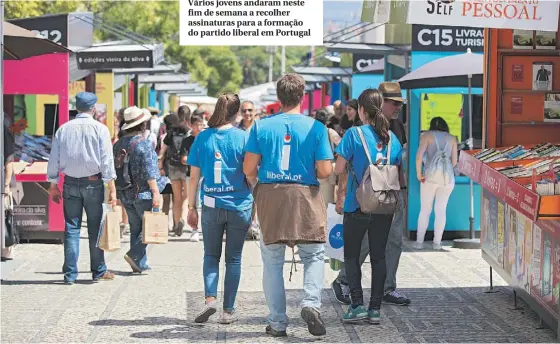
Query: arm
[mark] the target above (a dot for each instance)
(324, 168)
(250, 166)
(9, 168)
(108, 164)
(193, 187)
(454, 153)
(53, 166)
(420, 155)
(342, 185)
(161, 157)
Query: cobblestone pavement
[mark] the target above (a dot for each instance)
(446, 288)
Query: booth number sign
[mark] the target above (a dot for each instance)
(53, 35)
(447, 38)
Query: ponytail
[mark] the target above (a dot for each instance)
(226, 109)
(371, 100)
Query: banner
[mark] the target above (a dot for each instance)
(447, 38)
(524, 15)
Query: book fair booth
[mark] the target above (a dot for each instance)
(519, 168)
(33, 124)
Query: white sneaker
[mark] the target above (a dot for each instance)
(436, 247)
(228, 317)
(195, 236)
(418, 246)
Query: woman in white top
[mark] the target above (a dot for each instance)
(436, 176)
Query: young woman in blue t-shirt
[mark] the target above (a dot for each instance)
(217, 156)
(351, 153)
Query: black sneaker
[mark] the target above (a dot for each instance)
(315, 324)
(396, 298)
(272, 332)
(341, 292)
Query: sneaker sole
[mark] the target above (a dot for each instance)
(204, 316)
(133, 265)
(374, 321)
(315, 325)
(355, 320)
(336, 298)
(395, 304)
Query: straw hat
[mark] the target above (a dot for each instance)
(134, 116)
(391, 90)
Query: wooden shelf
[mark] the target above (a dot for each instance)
(510, 90)
(530, 52)
(530, 123)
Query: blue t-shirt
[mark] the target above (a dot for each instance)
(219, 155)
(352, 150)
(289, 146)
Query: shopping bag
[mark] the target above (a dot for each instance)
(155, 227)
(110, 230)
(335, 241)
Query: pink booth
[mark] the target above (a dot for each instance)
(36, 215)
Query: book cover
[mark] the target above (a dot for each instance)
(545, 40)
(552, 107)
(523, 39)
(542, 76)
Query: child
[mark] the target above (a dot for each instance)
(197, 125)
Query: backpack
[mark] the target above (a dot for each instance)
(439, 170)
(174, 151)
(122, 167)
(378, 192)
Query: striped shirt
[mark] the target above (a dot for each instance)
(82, 148)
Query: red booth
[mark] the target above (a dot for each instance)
(36, 215)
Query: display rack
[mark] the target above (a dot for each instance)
(520, 228)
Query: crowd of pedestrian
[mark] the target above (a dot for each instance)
(250, 175)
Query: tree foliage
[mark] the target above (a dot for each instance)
(217, 68)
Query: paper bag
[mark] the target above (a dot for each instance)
(334, 247)
(110, 231)
(155, 228)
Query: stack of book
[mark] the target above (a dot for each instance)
(543, 150)
(526, 170)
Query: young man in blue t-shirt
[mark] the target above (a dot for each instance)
(293, 151)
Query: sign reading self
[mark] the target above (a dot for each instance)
(447, 38)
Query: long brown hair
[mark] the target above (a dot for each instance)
(371, 100)
(226, 109)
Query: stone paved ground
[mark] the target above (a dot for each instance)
(447, 289)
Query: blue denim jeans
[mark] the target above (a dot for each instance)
(392, 253)
(80, 194)
(216, 221)
(273, 256)
(135, 212)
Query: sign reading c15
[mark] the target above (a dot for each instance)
(362, 61)
(447, 38)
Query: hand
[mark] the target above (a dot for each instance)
(421, 178)
(156, 198)
(192, 218)
(161, 172)
(339, 207)
(113, 198)
(55, 193)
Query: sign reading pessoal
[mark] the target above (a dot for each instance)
(500, 14)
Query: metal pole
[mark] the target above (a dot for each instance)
(2, 176)
(283, 61)
(270, 65)
(471, 184)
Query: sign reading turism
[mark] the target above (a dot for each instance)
(500, 14)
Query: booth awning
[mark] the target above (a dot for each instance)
(315, 78)
(108, 57)
(176, 87)
(164, 78)
(323, 71)
(75, 72)
(159, 69)
(371, 49)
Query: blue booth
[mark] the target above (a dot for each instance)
(428, 45)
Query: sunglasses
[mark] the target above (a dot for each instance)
(246, 110)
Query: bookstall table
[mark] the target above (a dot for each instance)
(520, 206)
